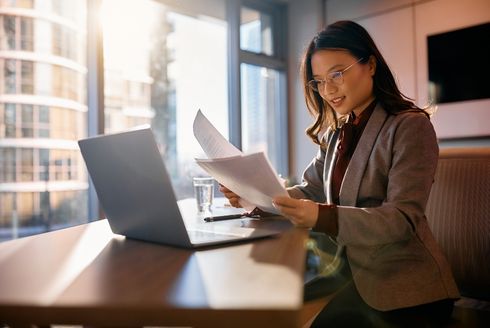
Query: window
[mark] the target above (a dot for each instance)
(26, 164)
(6, 210)
(43, 114)
(25, 207)
(27, 77)
(17, 33)
(26, 34)
(7, 161)
(10, 76)
(64, 41)
(44, 164)
(17, 3)
(8, 33)
(263, 82)
(256, 31)
(10, 120)
(161, 66)
(43, 122)
(260, 87)
(162, 61)
(27, 119)
(57, 81)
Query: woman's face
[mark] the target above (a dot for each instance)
(355, 92)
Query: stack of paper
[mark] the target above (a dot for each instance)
(250, 176)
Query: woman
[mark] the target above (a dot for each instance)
(368, 186)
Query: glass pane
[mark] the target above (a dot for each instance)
(10, 120)
(256, 31)
(44, 164)
(260, 88)
(159, 70)
(27, 121)
(7, 164)
(9, 39)
(10, 76)
(48, 101)
(27, 77)
(26, 34)
(43, 114)
(26, 164)
(43, 126)
(6, 210)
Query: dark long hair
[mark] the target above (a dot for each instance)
(350, 36)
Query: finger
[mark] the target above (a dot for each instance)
(294, 220)
(235, 202)
(232, 200)
(287, 211)
(231, 195)
(280, 199)
(294, 214)
(286, 202)
(223, 188)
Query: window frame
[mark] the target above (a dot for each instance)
(277, 61)
(236, 57)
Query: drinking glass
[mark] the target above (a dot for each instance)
(203, 191)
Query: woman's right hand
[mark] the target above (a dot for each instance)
(233, 198)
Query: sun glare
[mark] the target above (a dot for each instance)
(127, 27)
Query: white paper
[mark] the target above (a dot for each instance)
(251, 177)
(212, 142)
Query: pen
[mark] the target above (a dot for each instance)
(223, 217)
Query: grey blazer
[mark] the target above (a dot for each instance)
(394, 258)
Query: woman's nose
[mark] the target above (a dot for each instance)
(331, 87)
(328, 88)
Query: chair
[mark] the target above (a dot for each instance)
(458, 213)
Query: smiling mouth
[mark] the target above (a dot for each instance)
(337, 100)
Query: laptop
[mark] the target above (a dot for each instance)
(136, 193)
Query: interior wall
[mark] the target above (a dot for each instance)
(305, 19)
(400, 29)
(459, 119)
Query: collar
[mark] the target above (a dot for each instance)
(362, 119)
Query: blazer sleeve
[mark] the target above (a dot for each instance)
(312, 185)
(414, 153)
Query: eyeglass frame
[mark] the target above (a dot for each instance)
(313, 84)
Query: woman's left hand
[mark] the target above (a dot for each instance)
(302, 212)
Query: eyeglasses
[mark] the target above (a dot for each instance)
(336, 78)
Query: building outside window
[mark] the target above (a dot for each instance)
(43, 111)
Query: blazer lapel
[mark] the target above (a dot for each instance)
(330, 159)
(357, 165)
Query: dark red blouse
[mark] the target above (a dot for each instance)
(350, 134)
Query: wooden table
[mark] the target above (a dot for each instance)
(88, 275)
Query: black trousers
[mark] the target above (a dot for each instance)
(347, 309)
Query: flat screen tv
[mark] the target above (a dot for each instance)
(459, 64)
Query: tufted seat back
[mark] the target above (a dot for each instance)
(458, 212)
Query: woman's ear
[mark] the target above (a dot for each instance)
(372, 65)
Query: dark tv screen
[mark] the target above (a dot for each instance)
(459, 64)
